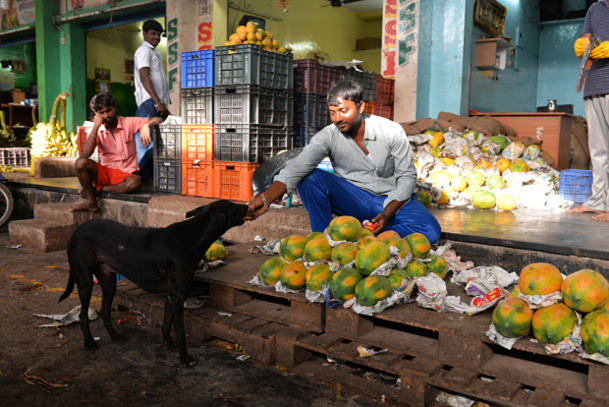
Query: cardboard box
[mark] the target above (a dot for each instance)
(18, 95)
(368, 43)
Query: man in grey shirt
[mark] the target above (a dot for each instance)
(375, 173)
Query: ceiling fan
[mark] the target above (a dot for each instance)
(339, 3)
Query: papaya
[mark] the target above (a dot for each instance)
(438, 266)
(484, 200)
(419, 245)
(344, 253)
(270, 271)
(217, 251)
(388, 234)
(366, 240)
(475, 178)
(343, 282)
(512, 317)
(293, 275)
(506, 202)
(539, 279)
(292, 247)
(345, 228)
(554, 323)
(314, 235)
(371, 256)
(585, 290)
(595, 332)
(317, 249)
(519, 165)
(317, 276)
(401, 245)
(495, 182)
(424, 197)
(396, 276)
(371, 290)
(416, 268)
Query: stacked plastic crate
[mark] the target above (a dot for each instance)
(385, 89)
(367, 80)
(312, 81)
(253, 114)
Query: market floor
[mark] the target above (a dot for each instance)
(50, 367)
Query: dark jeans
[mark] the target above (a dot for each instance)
(145, 154)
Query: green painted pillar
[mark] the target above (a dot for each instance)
(47, 57)
(60, 62)
(73, 76)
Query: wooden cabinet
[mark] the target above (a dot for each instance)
(492, 53)
(555, 126)
(18, 114)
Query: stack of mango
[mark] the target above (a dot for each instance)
(471, 169)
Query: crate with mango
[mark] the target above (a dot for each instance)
(251, 34)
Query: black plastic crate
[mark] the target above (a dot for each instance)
(311, 110)
(168, 141)
(250, 142)
(249, 64)
(198, 106)
(312, 77)
(367, 80)
(168, 175)
(253, 104)
(303, 135)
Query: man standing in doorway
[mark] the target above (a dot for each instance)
(151, 88)
(596, 103)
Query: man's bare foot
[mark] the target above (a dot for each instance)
(85, 206)
(582, 209)
(603, 216)
(82, 194)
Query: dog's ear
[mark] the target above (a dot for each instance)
(197, 211)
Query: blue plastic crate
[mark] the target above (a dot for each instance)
(575, 185)
(198, 69)
(303, 135)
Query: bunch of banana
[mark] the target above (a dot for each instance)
(62, 144)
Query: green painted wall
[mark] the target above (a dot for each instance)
(25, 52)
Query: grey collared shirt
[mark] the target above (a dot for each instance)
(388, 171)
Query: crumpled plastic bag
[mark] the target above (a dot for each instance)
(66, 319)
(494, 276)
(420, 138)
(397, 297)
(432, 291)
(499, 339)
(531, 152)
(490, 147)
(456, 145)
(270, 249)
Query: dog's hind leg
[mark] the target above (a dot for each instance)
(85, 289)
(107, 282)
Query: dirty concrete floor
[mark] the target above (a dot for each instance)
(50, 367)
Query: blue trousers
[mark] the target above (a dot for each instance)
(144, 154)
(324, 194)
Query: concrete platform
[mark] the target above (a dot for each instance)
(509, 237)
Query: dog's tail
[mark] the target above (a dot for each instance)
(69, 287)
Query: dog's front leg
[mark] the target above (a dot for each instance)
(177, 309)
(167, 324)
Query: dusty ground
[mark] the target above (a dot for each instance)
(50, 367)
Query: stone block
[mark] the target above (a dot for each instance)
(60, 213)
(40, 235)
(54, 167)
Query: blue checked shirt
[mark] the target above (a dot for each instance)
(388, 170)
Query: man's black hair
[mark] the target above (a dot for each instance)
(347, 90)
(101, 100)
(152, 25)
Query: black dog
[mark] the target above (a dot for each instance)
(156, 259)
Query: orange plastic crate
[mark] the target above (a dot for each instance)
(83, 133)
(197, 142)
(198, 178)
(234, 180)
(369, 107)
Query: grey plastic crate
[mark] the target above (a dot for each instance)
(253, 104)
(367, 80)
(168, 175)
(17, 157)
(250, 142)
(249, 64)
(311, 110)
(168, 141)
(197, 106)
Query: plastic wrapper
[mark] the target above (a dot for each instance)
(595, 356)
(453, 400)
(426, 163)
(457, 146)
(494, 276)
(385, 268)
(473, 137)
(499, 339)
(397, 297)
(368, 352)
(513, 150)
(454, 262)
(432, 291)
(315, 296)
(454, 170)
(420, 138)
(541, 301)
(490, 147)
(270, 249)
(531, 152)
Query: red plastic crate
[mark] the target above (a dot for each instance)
(384, 111)
(83, 133)
(198, 178)
(197, 142)
(234, 180)
(385, 90)
(312, 77)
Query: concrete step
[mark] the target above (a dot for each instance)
(40, 235)
(51, 167)
(60, 212)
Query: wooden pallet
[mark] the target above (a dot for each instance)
(229, 290)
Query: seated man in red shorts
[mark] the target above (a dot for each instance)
(118, 169)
